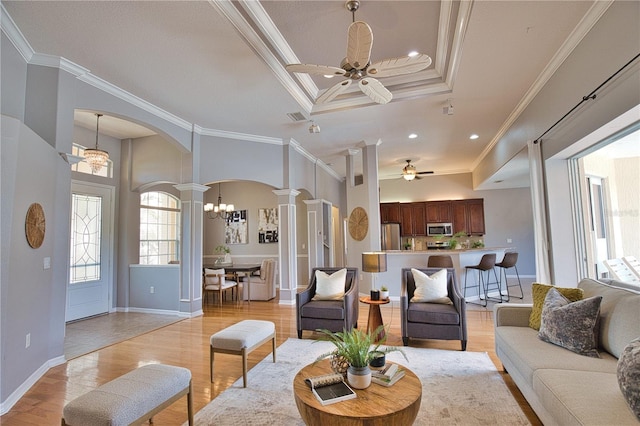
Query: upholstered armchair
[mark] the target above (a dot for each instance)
(334, 315)
(427, 320)
(263, 285)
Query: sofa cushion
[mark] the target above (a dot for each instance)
(619, 315)
(575, 397)
(539, 292)
(570, 325)
(528, 353)
(629, 375)
(430, 288)
(330, 287)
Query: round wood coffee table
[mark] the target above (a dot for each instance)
(377, 405)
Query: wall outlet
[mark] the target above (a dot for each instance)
(509, 240)
(46, 263)
(27, 341)
(152, 289)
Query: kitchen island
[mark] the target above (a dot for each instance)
(398, 259)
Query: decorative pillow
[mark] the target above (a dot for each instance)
(330, 287)
(539, 292)
(570, 325)
(629, 375)
(431, 289)
(214, 279)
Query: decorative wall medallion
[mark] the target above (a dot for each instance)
(358, 224)
(34, 225)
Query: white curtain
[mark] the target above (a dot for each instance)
(543, 274)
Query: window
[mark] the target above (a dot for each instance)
(159, 228)
(83, 166)
(86, 238)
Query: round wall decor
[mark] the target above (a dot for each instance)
(358, 224)
(34, 225)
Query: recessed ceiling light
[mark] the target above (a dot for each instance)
(328, 76)
(474, 136)
(413, 136)
(413, 53)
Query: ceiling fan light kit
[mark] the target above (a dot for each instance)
(357, 66)
(410, 173)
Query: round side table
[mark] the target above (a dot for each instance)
(376, 405)
(375, 316)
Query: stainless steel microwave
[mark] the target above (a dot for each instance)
(437, 229)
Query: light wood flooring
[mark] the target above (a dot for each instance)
(186, 343)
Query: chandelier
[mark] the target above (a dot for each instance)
(219, 211)
(96, 157)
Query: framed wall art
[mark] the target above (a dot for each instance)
(268, 225)
(235, 230)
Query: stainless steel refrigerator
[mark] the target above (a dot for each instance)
(391, 236)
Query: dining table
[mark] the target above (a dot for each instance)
(235, 268)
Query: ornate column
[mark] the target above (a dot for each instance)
(287, 245)
(191, 198)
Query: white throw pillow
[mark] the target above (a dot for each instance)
(432, 289)
(330, 287)
(213, 280)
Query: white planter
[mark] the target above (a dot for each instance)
(359, 377)
(384, 295)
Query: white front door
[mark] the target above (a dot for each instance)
(90, 278)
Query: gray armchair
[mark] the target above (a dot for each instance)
(432, 320)
(333, 315)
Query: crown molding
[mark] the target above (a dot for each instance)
(14, 35)
(239, 136)
(314, 160)
(592, 16)
(268, 29)
(58, 62)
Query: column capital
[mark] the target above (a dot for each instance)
(191, 187)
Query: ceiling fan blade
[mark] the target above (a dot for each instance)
(430, 172)
(333, 91)
(375, 90)
(314, 69)
(359, 42)
(399, 66)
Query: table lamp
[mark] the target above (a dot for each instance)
(374, 262)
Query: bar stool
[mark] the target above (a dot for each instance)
(487, 263)
(440, 261)
(509, 261)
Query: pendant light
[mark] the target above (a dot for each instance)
(219, 211)
(94, 156)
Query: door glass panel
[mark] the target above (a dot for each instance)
(86, 223)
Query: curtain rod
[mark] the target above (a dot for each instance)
(589, 97)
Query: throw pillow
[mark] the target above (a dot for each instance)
(539, 292)
(629, 375)
(213, 280)
(431, 289)
(570, 325)
(330, 287)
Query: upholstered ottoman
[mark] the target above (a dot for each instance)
(240, 339)
(131, 398)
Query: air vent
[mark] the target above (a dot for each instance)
(296, 116)
(358, 180)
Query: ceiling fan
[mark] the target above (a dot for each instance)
(358, 67)
(410, 173)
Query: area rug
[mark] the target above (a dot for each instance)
(458, 388)
(88, 335)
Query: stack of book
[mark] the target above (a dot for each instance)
(388, 375)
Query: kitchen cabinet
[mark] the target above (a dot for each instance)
(390, 212)
(468, 216)
(438, 211)
(412, 219)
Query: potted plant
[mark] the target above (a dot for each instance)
(453, 241)
(357, 348)
(384, 292)
(226, 251)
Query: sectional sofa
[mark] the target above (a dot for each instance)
(563, 387)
